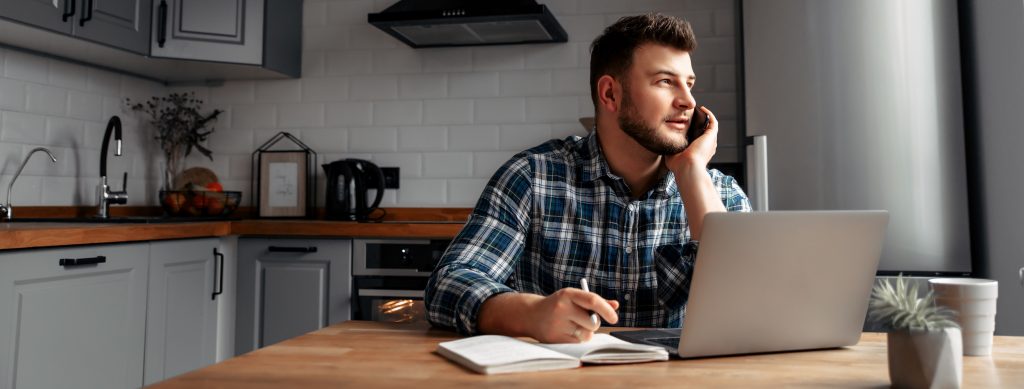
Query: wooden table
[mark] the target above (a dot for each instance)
(368, 354)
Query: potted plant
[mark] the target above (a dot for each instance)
(180, 128)
(924, 344)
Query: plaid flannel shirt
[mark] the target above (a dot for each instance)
(554, 214)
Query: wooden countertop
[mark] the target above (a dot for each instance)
(369, 354)
(434, 223)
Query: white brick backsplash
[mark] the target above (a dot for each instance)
(10, 157)
(313, 64)
(551, 109)
(725, 22)
(525, 83)
(422, 86)
(465, 192)
(481, 84)
(68, 75)
(228, 142)
(314, 14)
(410, 165)
(564, 130)
(561, 7)
(716, 50)
(372, 139)
(607, 6)
(397, 113)
(46, 100)
(498, 57)
(23, 127)
(728, 133)
(570, 82)
(324, 89)
(343, 63)
(27, 67)
(374, 88)
(85, 106)
(239, 166)
(521, 137)
(252, 116)
(25, 192)
(12, 94)
(454, 59)
(705, 78)
(585, 106)
(349, 12)
(365, 36)
(416, 191)
(60, 190)
(279, 91)
(330, 37)
(326, 140)
(472, 138)
(300, 115)
(401, 60)
(64, 133)
(234, 92)
(486, 163)
(448, 112)
(41, 165)
(448, 165)
(499, 111)
(725, 78)
(552, 56)
(722, 104)
(582, 28)
(103, 82)
(357, 113)
(422, 138)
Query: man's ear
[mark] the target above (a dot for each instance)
(609, 93)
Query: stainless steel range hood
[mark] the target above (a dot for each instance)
(438, 23)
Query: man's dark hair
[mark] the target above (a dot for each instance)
(612, 51)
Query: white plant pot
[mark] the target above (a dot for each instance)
(926, 359)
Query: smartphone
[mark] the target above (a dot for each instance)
(698, 123)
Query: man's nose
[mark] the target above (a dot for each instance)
(685, 100)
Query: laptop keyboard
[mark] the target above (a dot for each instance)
(668, 342)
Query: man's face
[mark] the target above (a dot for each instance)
(656, 99)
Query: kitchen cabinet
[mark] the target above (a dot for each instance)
(185, 285)
(73, 317)
(254, 32)
(288, 287)
(124, 24)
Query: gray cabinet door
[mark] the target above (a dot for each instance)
(209, 30)
(48, 14)
(124, 24)
(288, 287)
(181, 324)
(73, 326)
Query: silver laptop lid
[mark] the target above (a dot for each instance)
(781, 280)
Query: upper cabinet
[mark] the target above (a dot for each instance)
(123, 24)
(172, 41)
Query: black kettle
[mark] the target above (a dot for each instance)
(348, 182)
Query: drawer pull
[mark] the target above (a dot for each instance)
(286, 249)
(69, 9)
(67, 262)
(218, 288)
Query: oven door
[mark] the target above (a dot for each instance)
(390, 305)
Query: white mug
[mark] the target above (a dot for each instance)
(974, 300)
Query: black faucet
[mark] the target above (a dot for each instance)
(103, 192)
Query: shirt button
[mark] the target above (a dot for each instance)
(629, 250)
(625, 297)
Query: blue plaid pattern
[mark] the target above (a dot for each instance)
(554, 214)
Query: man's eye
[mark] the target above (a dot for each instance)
(665, 81)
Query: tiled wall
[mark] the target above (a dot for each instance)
(446, 117)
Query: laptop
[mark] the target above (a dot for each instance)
(776, 281)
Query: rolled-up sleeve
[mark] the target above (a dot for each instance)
(482, 256)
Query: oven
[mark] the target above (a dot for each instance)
(389, 276)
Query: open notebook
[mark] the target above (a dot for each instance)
(496, 354)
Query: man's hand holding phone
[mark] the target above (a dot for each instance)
(702, 136)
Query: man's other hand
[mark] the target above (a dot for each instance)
(564, 316)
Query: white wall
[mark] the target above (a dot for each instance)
(447, 117)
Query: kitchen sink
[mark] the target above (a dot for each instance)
(121, 219)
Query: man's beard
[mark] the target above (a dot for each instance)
(643, 134)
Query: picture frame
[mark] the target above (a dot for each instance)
(283, 183)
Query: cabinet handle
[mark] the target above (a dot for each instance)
(161, 20)
(68, 262)
(69, 9)
(283, 249)
(87, 12)
(218, 287)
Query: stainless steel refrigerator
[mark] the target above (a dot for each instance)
(860, 105)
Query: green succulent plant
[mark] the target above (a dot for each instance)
(900, 308)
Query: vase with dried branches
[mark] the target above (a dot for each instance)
(181, 127)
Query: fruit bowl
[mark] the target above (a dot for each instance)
(199, 203)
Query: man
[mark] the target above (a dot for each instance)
(607, 207)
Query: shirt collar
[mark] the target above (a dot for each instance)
(596, 166)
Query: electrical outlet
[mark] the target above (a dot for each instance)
(390, 177)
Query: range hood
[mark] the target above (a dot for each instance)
(439, 23)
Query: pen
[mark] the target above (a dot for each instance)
(593, 316)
